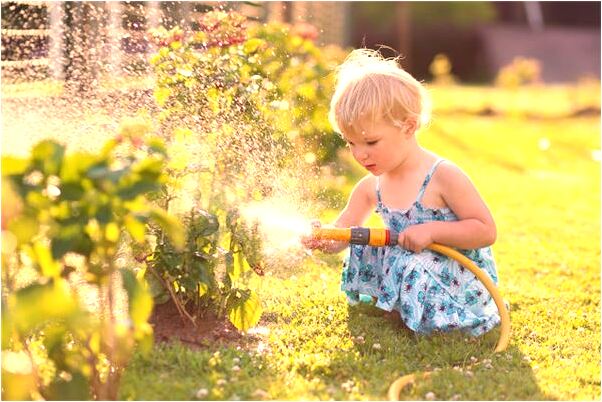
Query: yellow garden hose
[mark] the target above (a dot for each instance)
(384, 237)
(502, 343)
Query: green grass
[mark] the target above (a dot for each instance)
(541, 178)
(546, 201)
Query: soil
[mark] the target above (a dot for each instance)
(169, 326)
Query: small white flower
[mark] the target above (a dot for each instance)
(376, 346)
(473, 359)
(360, 339)
(202, 393)
(430, 396)
(221, 382)
(544, 144)
(456, 397)
(347, 385)
(236, 360)
(260, 394)
(235, 368)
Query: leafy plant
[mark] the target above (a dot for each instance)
(70, 213)
(205, 274)
(218, 111)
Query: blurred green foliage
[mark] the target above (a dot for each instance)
(456, 13)
(303, 75)
(57, 208)
(521, 71)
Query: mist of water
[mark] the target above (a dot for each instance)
(37, 105)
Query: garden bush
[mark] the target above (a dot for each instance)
(237, 107)
(63, 215)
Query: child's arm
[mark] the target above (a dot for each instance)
(361, 201)
(475, 227)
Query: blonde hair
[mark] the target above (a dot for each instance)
(370, 86)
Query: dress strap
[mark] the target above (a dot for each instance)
(428, 179)
(378, 197)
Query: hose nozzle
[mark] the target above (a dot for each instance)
(376, 237)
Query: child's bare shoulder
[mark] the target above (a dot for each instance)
(449, 174)
(366, 187)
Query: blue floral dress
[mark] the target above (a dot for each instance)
(430, 291)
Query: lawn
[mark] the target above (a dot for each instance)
(534, 156)
(540, 175)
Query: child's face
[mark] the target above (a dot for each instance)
(380, 146)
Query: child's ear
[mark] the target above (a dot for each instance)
(410, 127)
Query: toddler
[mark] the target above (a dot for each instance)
(378, 108)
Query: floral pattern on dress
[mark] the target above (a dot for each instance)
(430, 291)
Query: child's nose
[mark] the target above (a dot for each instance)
(362, 154)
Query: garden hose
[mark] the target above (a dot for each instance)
(384, 237)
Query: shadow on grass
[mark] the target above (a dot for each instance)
(463, 367)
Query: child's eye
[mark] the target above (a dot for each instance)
(372, 142)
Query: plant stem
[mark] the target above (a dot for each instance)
(181, 309)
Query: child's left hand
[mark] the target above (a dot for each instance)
(415, 238)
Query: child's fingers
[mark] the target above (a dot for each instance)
(401, 239)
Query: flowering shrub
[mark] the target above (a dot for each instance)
(236, 106)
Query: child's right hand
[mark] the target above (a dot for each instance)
(312, 243)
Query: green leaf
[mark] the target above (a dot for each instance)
(48, 266)
(207, 223)
(203, 289)
(251, 45)
(24, 228)
(136, 227)
(140, 301)
(149, 168)
(136, 189)
(244, 311)
(71, 238)
(74, 388)
(157, 145)
(239, 267)
(98, 171)
(171, 226)
(13, 166)
(161, 95)
(48, 156)
(37, 304)
(76, 165)
(104, 214)
(108, 147)
(72, 191)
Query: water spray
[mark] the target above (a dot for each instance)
(379, 237)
